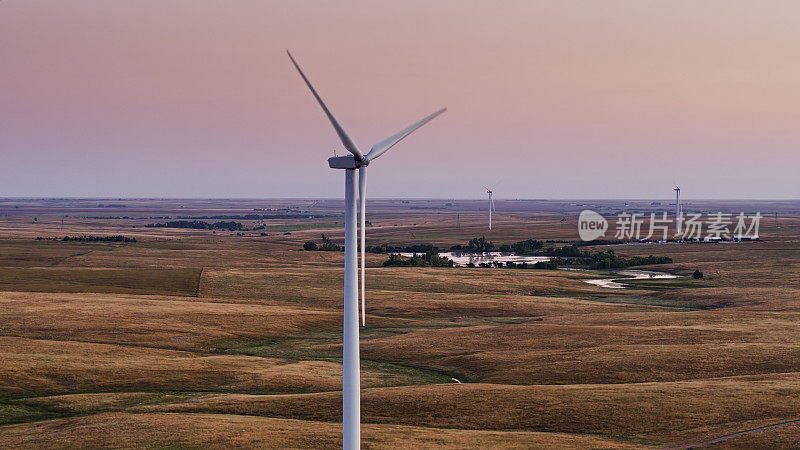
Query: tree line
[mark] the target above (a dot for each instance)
(257, 216)
(199, 225)
(481, 245)
(427, 255)
(90, 238)
(430, 258)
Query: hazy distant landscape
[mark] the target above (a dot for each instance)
(216, 337)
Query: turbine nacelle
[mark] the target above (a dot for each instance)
(346, 162)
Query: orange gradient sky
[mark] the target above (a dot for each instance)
(546, 99)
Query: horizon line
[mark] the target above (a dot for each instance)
(402, 198)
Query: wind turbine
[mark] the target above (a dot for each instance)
(677, 209)
(491, 206)
(351, 382)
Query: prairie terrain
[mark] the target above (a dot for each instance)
(217, 338)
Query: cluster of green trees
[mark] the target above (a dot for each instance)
(545, 265)
(608, 260)
(90, 238)
(548, 265)
(430, 258)
(598, 260)
(481, 245)
(326, 246)
(415, 248)
(526, 247)
(475, 245)
(199, 225)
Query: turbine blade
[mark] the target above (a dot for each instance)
(381, 147)
(343, 136)
(362, 199)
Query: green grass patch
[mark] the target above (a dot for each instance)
(314, 346)
(33, 409)
(646, 300)
(398, 374)
(11, 413)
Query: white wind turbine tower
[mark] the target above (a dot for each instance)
(351, 383)
(677, 209)
(491, 206)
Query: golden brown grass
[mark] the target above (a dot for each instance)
(152, 321)
(642, 412)
(780, 437)
(107, 280)
(111, 430)
(53, 366)
(107, 330)
(49, 366)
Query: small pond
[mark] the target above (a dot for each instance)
(463, 258)
(629, 274)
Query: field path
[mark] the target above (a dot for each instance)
(734, 435)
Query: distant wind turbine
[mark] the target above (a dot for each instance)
(677, 210)
(491, 206)
(351, 382)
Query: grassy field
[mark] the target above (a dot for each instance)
(190, 338)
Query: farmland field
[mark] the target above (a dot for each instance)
(218, 338)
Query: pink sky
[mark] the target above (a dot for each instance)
(556, 99)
